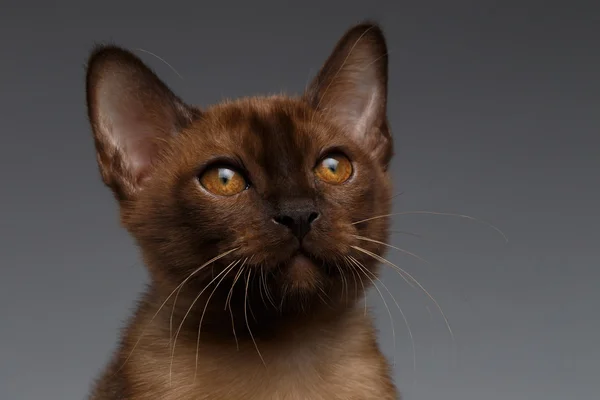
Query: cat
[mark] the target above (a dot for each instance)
(249, 216)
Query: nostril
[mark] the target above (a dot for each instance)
(290, 221)
(297, 221)
(284, 220)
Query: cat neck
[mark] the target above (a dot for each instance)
(226, 314)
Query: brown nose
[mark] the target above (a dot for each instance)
(298, 220)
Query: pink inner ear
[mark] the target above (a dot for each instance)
(355, 101)
(132, 113)
(351, 89)
(355, 97)
(136, 139)
(137, 117)
(140, 154)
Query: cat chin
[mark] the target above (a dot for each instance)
(302, 274)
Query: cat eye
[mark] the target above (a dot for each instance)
(223, 181)
(334, 169)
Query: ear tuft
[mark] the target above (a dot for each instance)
(132, 112)
(351, 89)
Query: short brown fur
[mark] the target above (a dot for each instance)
(292, 330)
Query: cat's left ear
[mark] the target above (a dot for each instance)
(351, 89)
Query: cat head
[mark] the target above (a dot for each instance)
(275, 186)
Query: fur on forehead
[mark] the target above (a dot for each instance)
(262, 127)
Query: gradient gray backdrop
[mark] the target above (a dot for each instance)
(494, 106)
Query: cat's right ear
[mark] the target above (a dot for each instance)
(132, 113)
(351, 89)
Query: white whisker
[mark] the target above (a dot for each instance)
(163, 60)
(402, 273)
(436, 213)
(228, 269)
(392, 247)
(412, 340)
(392, 323)
(167, 299)
(246, 317)
(184, 318)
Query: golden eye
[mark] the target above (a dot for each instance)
(223, 181)
(335, 169)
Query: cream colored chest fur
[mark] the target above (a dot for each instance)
(327, 364)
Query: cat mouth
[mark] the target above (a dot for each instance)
(302, 271)
(302, 259)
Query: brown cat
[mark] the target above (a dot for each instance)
(249, 215)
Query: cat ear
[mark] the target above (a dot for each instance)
(131, 112)
(351, 88)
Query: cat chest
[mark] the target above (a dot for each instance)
(291, 376)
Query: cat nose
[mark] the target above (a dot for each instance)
(298, 221)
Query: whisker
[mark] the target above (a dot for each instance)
(362, 269)
(184, 318)
(241, 268)
(260, 285)
(396, 195)
(412, 340)
(268, 291)
(324, 300)
(229, 268)
(437, 213)
(230, 294)
(284, 292)
(392, 247)
(408, 281)
(402, 273)
(354, 271)
(320, 298)
(163, 60)
(246, 317)
(346, 282)
(345, 288)
(250, 304)
(375, 60)
(175, 303)
(167, 299)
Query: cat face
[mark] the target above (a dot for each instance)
(279, 185)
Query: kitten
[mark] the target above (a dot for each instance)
(248, 215)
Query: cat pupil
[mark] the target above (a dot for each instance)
(331, 164)
(225, 175)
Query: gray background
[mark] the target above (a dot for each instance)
(494, 105)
